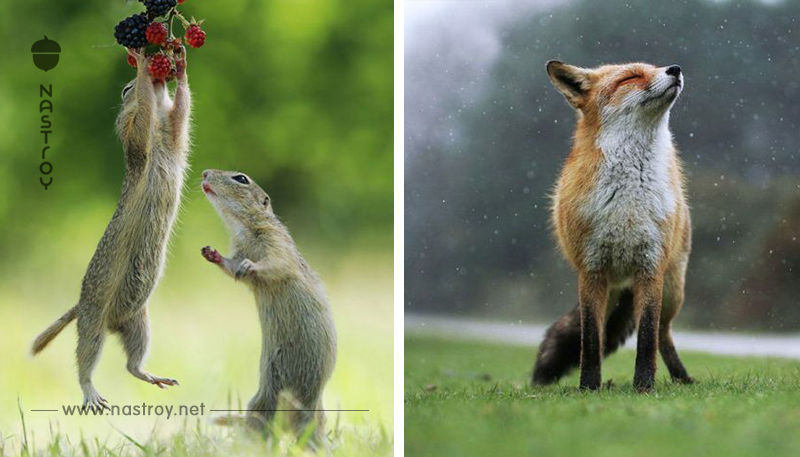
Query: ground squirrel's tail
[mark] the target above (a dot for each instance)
(46, 336)
(560, 350)
(229, 420)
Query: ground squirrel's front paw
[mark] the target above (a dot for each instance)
(180, 64)
(212, 255)
(244, 268)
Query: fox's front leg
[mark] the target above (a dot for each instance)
(181, 108)
(647, 293)
(135, 123)
(593, 292)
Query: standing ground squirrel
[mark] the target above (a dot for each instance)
(127, 264)
(299, 339)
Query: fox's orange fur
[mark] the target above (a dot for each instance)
(622, 221)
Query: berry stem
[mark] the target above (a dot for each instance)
(169, 19)
(185, 23)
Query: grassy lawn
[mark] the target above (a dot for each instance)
(469, 398)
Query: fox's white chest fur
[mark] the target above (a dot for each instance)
(631, 198)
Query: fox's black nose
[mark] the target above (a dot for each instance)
(674, 70)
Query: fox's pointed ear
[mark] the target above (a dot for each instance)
(572, 82)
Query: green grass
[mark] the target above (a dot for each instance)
(472, 399)
(205, 333)
(196, 439)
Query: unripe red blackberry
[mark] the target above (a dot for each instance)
(195, 36)
(131, 60)
(160, 66)
(156, 33)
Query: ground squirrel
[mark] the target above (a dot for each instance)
(129, 259)
(299, 339)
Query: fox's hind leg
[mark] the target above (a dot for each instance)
(135, 336)
(672, 303)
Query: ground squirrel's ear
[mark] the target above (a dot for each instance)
(266, 200)
(572, 82)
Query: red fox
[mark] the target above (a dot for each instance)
(621, 220)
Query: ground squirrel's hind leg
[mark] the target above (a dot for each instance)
(91, 336)
(311, 417)
(135, 336)
(261, 408)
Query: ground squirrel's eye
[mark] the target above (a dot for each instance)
(126, 89)
(241, 179)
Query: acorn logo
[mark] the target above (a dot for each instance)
(45, 53)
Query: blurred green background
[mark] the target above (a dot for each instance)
(298, 94)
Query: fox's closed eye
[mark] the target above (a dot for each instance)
(628, 78)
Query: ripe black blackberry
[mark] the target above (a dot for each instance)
(157, 8)
(130, 32)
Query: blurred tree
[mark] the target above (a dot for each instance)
(479, 171)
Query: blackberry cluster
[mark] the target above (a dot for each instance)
(156, 8)
(130, 32)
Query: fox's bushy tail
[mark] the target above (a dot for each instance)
(47, 336)
(560, 350)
